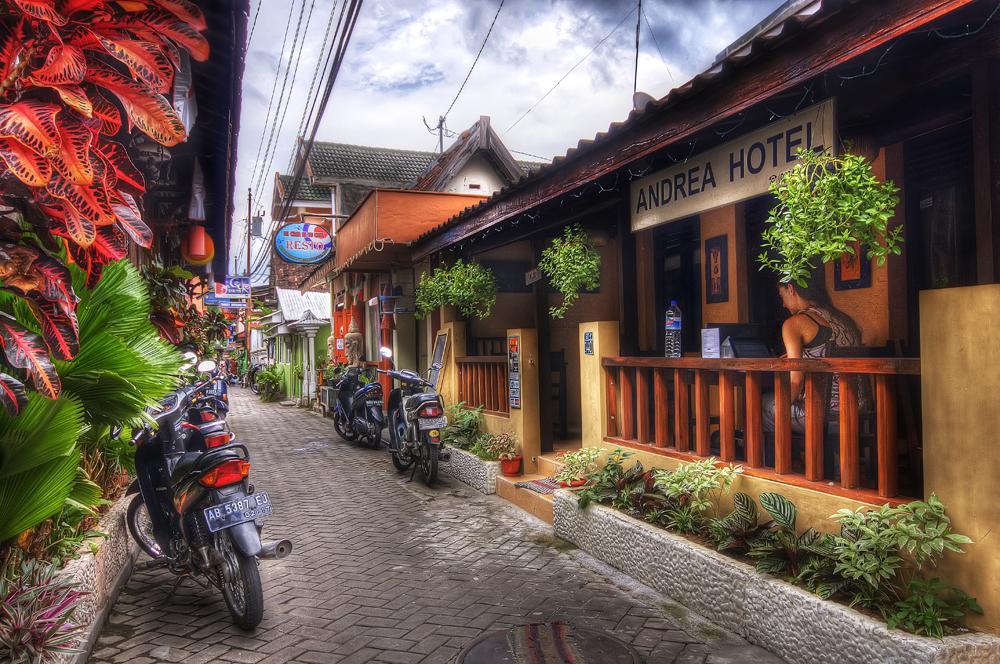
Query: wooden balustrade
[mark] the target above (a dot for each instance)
(482, 382)
(666, 404)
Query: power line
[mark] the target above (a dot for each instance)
(656, 41)
(274, 88)
(638, 24)
(571, 70)
(528, 154)
(483, 46)
(253, 26)
(283, 101)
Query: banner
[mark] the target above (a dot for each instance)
(234, 288)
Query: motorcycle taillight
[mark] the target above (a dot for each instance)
(208, 416)
(226, 473)
(430, 410)
(218, 440)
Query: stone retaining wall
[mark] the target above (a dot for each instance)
(788, 621)
(102, 574)
(467, 467)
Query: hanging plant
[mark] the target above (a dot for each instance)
(573, 265)
(827, 207)
(75, 77)
(469, 287)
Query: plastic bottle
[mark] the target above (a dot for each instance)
(672, 331)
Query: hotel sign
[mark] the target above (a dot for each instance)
(733, 171)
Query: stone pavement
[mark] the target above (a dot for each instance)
(387, 570)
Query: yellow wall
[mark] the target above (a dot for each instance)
(960, 386)
(728, 221)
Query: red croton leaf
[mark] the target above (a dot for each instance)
(180, 32)
(12, 394)
(11, 42)
(64, 65)
(56, 283)
(73, 160)
(124, 170)
(43, 10)
(151, 113)
(107, 112)
(90, 259)
(26, 350)
(60, 330)
(130, 219)
(81, 230)
(90, 201)
(71, 7)
(110, 243)
(30, 168)
(31, 122)
(144, 59)
(187, 11)
(76, 98)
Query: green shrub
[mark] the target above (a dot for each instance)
(469, 287)
(573, 265)
(465, 425)
(36, 619)
(578, 464)
(269, 383)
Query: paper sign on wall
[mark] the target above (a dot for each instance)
(514, 371)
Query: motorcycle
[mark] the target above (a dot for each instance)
(358, 409)
(194, 509)
(416, 417)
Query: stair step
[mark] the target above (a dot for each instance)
(538, 504)
(548, 465)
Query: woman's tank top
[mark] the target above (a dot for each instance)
(832, 333)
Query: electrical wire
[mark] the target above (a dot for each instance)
(481, 47)
(284, 101)
(253, 26)
(657, 43)
(571, 70)
(274, 88)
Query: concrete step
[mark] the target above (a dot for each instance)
(538, 504)
(548, 465)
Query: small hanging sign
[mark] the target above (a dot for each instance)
(588, 343)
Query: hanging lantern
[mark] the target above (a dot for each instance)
(197, 247)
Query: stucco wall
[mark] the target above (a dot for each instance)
(476, 171)
(960, 386)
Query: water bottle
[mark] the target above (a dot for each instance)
(672, 331)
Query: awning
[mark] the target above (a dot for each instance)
(379, 233)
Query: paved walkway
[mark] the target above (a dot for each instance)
(386, 570)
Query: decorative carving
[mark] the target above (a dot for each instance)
(354, 346)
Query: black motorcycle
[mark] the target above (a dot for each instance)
(416, 417)
(196, 512)
(357, 414)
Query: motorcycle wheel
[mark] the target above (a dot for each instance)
(254, 387)
(375, 442)
(141, 528)
(243, 593)
(342, 430)
(400, 465)
(429, 463)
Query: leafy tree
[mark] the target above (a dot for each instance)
(469, 287)
(826, 204)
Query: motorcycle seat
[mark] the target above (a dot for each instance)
(201, 461)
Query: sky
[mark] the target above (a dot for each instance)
(407, 60)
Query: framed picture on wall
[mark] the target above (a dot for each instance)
(717, 269)
(852, 271)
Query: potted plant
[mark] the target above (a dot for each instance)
(502, 447)
(578, 466)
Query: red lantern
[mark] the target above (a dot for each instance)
(197, 247)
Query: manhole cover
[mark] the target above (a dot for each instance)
(548, 643)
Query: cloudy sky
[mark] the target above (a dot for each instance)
(408, 58)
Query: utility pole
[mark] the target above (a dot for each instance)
(638, 23)
(249, 276)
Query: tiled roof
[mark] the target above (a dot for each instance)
(363, 163)
(306, 191)
(293, 304)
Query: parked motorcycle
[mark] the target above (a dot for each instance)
(416, 417)
(195, 510)
(357, 412)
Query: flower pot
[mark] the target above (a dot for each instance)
(575, 483)
(511, 467)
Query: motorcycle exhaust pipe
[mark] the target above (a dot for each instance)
(275, 550)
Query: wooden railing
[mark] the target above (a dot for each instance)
(672, 405)
(482, 381)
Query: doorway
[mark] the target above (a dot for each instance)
(762, 293)
(677, 257)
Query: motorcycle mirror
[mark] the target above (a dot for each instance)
(116, 431)
(206, 365)
(385, 352)
(190, 360)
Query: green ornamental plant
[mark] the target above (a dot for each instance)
(464, 428)
(269, 383)
(826, 206)
(578, 465)
(469, 287)
(37, 614)
(573, 265)
(496, 447)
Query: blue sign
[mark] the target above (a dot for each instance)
(588, 343)
(213, 301)
(303, 243)
(234, 288)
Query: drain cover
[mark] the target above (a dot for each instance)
(548, 643)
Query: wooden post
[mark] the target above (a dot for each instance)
(627, 424)
(661, 406)
(885, 414)
(612, 395)
(682, 417)
(642, 405)
(850, 473)
(727, 416)
(701, 413)
(754, 435)
(815, 410)
(782, 423)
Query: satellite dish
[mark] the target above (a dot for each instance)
(640, 100)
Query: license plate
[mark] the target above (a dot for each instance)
(241, 510)
(426, 423)
(375, 402)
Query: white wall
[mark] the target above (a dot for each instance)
(476, 171)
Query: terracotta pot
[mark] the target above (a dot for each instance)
(511, 467)
(573, 484)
